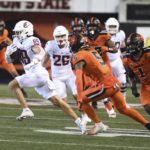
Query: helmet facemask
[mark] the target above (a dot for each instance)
(135, 44)
(93, 27)
(112, 26)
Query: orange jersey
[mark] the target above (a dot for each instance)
(140, 68)
(95, 67)
(100, 42)
(5, 38)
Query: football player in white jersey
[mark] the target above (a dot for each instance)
(28, 50)
(118, 37)
(59, 53)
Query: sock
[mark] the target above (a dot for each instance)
(108, 105)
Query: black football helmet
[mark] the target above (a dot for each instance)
(135, 44)
(76, 42)
(77, 25)
(93, 27)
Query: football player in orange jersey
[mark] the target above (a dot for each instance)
(98, 39)
(4, 42)
(78, 27)
(87, 60)
(137, 59)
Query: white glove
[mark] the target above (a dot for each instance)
(17, 43)
(11, 49)
(8, 59)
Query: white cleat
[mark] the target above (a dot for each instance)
(85, 118)
(98, 127)
(25, 114)
(111, 113)
(81, 125)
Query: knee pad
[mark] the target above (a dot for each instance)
(147, 108)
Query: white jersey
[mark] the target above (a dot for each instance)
(60, 59)
(117, 39)
(61, 71)
(28, 55)
(115, 58)
(37, 76)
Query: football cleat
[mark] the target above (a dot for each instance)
(25, 114)
(85, 118)
(81, 125)
(148, 126)
(98, 127)
(111, 113)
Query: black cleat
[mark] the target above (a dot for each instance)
(148, 126)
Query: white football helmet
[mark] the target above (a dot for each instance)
(60, 35)
(23, 29)
(112, 25)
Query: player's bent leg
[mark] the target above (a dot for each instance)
(14, 86)
(123, 109)
(69, 111)
(98, 125)
(26, 113)
(147, 108)
(12, 70)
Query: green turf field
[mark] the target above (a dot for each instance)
(51, 129)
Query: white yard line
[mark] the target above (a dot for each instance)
(109, 133)
(75, 144)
